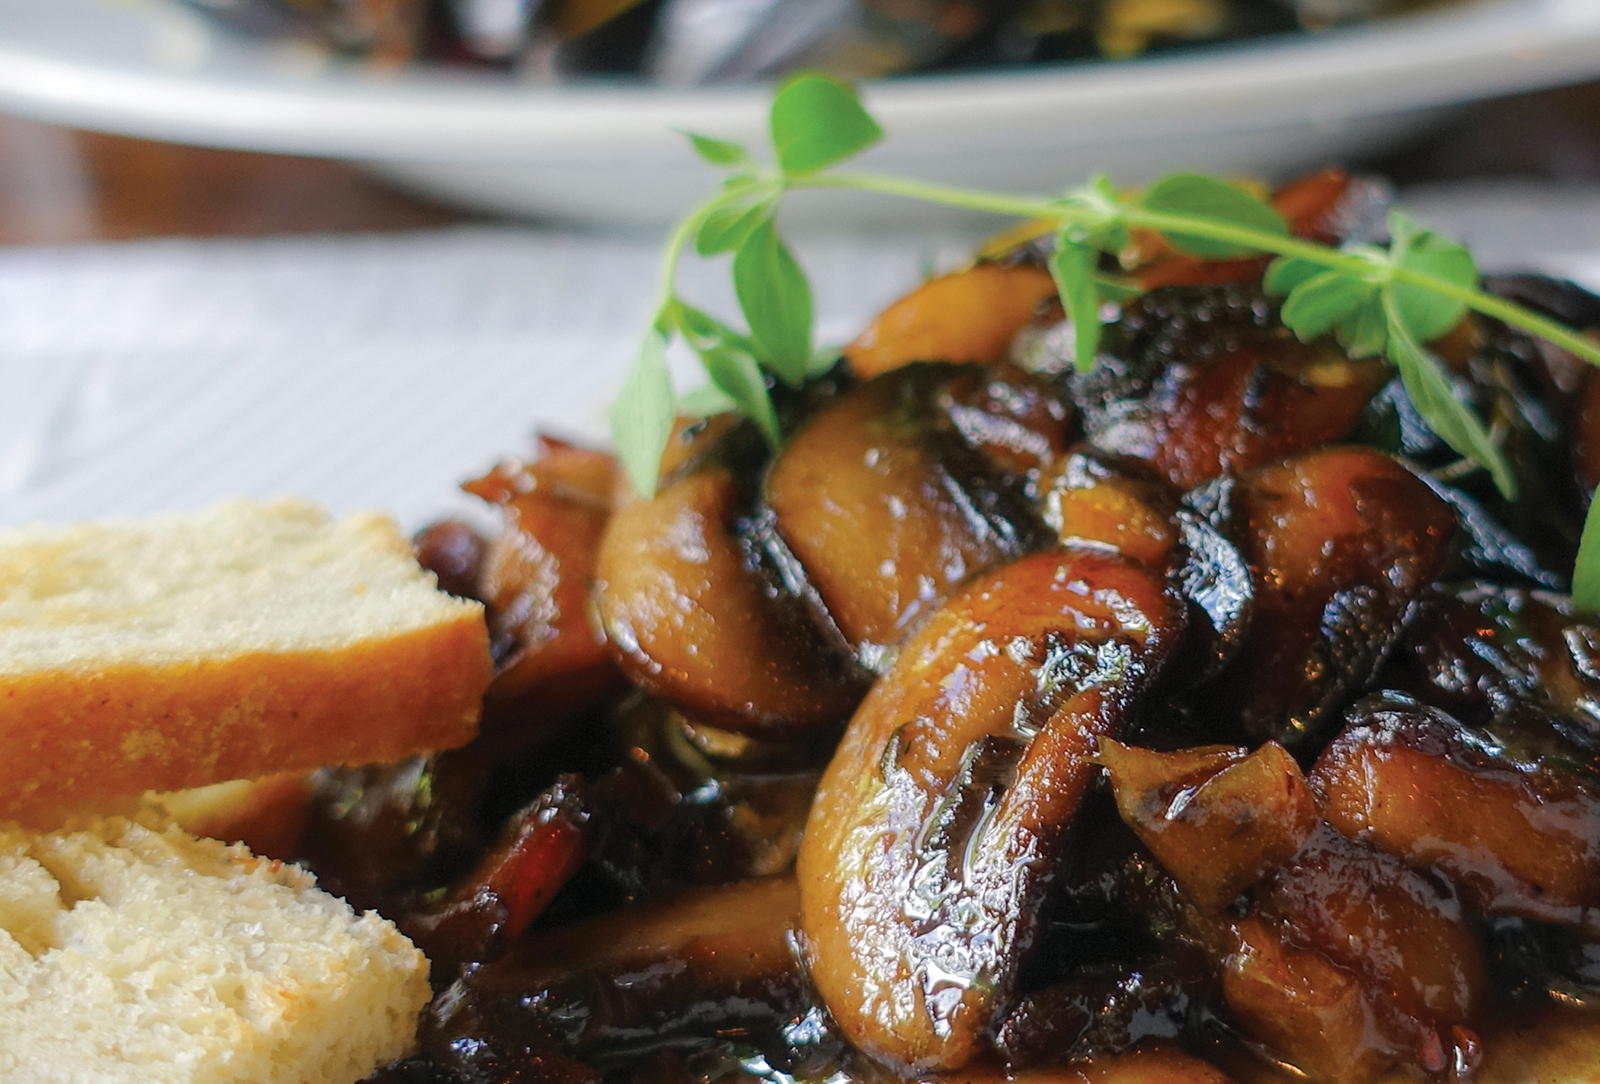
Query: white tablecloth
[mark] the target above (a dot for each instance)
(361, 372)
(377, 372)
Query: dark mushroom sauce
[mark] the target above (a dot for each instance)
(1196, 717)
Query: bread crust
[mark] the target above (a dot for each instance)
(139, 726)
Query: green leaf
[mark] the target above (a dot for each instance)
(1116, 288)
(719, 152)
(702, 330)
(818, 120)
(1320, 302)
(1109, 236)
(1105, 229)
(738, 376)
(1430, 391)
(704, 401)
(1287, 272)
(1586, 573)
(642, 416)
(776, 300)
(725, 228)
(1113, 237)
(1073, 266)
(1442, 258)
(1429, 315)
(1198, 196)
(1365, 332)
(1403, 229)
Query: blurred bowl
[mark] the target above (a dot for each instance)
(609, 152)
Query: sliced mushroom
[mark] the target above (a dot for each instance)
(938, 823)
(1519, 838)
(1341, 543)
(534, 577)
(888, 506)
(689, 619)
(969, 315)
(1202, 383)
(1218, 818)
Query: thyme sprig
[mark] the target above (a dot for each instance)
(1376, 300)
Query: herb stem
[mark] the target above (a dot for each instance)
(949, 195)
(1500, 309)
(1376, 299)
(1277, 244)
(1071, 214)
(672, 252)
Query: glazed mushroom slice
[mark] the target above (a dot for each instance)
(1200, 382)
(1484, 651)
(690, 620)
(1342, 959)
(1098, 501)
(1341, 543)
(534, 578)
(1404, 937)
(1278, 996)
(888, 506)
(1217, 817)
(1313, 1015)
(1519, 837)
(1093, 499)
(939, 821)
(1017, 421)
(969, 315)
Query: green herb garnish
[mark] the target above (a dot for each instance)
(1375, 300)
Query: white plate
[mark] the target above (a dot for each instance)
(609, 152)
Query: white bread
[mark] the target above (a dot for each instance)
(253, 638)
(135, 956)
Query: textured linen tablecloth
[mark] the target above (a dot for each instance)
(379, 371)
(360, 372)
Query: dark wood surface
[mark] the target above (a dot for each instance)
(59, 185)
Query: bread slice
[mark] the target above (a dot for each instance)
(134, 955)
(250, 639)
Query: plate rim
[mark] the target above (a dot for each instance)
(234, 97)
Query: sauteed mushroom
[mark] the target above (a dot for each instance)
(1213, 727)
(955, 788)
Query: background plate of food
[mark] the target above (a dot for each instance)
(603, 148)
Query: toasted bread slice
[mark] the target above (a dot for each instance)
(250, 639)
(135, 956)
